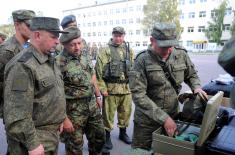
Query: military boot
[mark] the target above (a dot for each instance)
(105, 151)
(124, 137)
(108, 143)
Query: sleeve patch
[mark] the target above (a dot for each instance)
(19, 83)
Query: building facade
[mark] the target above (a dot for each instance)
(97, 20)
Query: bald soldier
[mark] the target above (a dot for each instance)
(155, 83)
(34, 100)
(14, 44)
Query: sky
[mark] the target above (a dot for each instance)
(50, 8)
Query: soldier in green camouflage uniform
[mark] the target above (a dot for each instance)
(154, 94)
(14, 44)
(83, 108)
(34, 100)
(112, 67)
(3, 37)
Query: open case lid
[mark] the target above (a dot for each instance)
(209, 118)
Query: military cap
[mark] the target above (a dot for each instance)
(165, 34)
(66, 20)
(46, 23)
(73, 33)
(119, 29)
(3, 35)
(23, 15)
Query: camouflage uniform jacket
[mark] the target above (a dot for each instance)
(152, 92)
(104, 57)
(77, 73)
(8, 50)
(33, 97)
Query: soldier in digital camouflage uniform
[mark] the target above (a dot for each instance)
(66, 22)
(3, 37)
(112, 67)
(34, 100)
(14, 44)
(153, 93)
(83, 108)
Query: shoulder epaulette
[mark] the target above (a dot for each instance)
(26, 56)
(181, 48)
(140, 53)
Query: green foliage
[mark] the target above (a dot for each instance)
(7, 29)
(215, 28)
(161, 11)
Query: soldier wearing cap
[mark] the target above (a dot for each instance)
(66, 22)
(34, 100)
(3, 37)
(83, 102)
(14, 44)
(112, 67)
(155, 81)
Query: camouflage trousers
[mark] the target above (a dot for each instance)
(120, 103)
(142, 132)
(48, 138)
(86, 118)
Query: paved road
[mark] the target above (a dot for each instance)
(208, 69)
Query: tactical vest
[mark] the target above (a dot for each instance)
(116, 67)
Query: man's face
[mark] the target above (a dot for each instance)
(23, 29)
(74, 46)
(160, 50)
(118, 38)
(47, 41)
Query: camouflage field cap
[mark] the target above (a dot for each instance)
(165, 34)
(46, 23)
(66, 20)
(73, 33)
(119, 29)
(23, 15)
(3, 35)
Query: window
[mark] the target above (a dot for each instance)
(94, 34)
(123, 21)
(131, 9)
(89, 24)
(131, 21)
(203, 1)
(182, 29)
(145, 43)
(130, 32)
(190, 29)
(137, 20)
(79, 25)
(137, 43)
(105, 12)
(181, 2)
(124, 10)
(189, 43)
(105, 33)
(228, 11)
(89, 34)
(99, 23)
(117, 22)
(192, 1)
(145, 32)
(111, 22)
(182, 16)
(137, 32)
(191, 15)
(94, 24)
(111, 11)
(202, 14)
(213, 13)
(117, 10)
(201, 29)
(226, 27)
(99, 33)
(105, 22)
(212, 28)
(138, 8)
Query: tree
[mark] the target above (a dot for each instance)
(232, 29)
(215, 28)
(161, 11)
(7, 29)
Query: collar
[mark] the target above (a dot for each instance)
(42, 58)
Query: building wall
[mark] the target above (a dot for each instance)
(96, 21)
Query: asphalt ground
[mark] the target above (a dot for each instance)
(208, 69)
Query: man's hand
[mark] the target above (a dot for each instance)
(37, 151)
(105, 93)
(199, 90)
(68, 125)
(170, 126)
